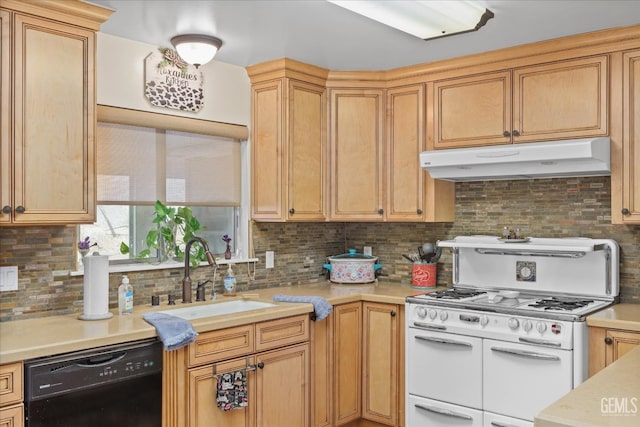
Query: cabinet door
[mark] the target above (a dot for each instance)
(267, 152)
(347, 375)
(561, 100)
(405, 142)
(282, 387)
(5, 124)
(307, 152)
(321, 338)
(631, 139)
(12, 416)
(620, 343)
(380, 362)
(357, 154)
(472, 111)
(54, 118)
(203, 411)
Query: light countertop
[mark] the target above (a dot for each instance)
(612, 396)
(30, 338)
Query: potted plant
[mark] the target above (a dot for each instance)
(175, 226)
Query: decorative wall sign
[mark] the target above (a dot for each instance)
(172, 83)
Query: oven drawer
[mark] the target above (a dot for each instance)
(521, 379)
(423, 412)
(444, 367)
(495, 420)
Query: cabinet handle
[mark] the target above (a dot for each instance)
(516, 133)
(393, 313)
(292, 211)
(625, 211)
(380, 211)
(261, 365)
(6, 209)
(506, 134)
(419, 211)
(608, 340)
(20, 209)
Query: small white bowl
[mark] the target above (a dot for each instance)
(509, 294)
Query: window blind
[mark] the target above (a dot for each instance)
(139, 165)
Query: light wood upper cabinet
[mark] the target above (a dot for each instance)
(357, 154)
(559, 100)
(380, 362)
(405, 141)
(630, 139)
(48, 147)
(288, 145)
(471, 111)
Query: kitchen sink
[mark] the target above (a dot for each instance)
(217, 309)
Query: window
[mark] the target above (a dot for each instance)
(137, 165)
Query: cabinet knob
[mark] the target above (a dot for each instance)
(20, 209)
(380, 211)
(6, 209)
(261, 365)
(608, 340)
(393, 313)
(516, 133)
(419, 211)
(292, 211)
(506, 134)
(625, 211)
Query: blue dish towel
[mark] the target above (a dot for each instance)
(321, 306)
(174, 332)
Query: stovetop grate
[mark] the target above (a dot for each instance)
(561, 303)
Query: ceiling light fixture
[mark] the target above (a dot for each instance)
(427, 19)
(196, 49)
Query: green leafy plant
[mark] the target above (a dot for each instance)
(174, 228)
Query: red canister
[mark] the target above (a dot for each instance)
(424, 276)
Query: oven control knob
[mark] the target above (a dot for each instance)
(541, 327)
(484, 320)
(433, 314)
(513, 323)
(421, 312)
(527, 325)
(444, 315)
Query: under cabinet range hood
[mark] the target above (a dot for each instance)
(556, 159)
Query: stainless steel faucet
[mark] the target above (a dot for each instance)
(186, 282)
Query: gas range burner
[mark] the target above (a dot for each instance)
(454, 294)
(561, 303)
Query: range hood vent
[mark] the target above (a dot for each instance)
(556, 159)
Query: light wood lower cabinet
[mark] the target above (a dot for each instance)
(11, 395)
(275, 357)
(357, 373)
(608, 345)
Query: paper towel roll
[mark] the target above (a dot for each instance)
(96, 288)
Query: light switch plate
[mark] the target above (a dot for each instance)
(268, 259)
(9, 278)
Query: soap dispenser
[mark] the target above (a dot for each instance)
(229, 283)
(125, 297)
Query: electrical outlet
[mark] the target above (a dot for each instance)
(269, 259)
(367, 250)
(9, 278)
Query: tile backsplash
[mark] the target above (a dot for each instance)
(541, 208)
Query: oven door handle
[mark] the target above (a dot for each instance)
(443, 341)
(443, 411)
(539, 342)
(524, 353)
(498, 424)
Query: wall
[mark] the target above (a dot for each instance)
(541, 208)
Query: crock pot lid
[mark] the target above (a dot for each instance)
(352, 254)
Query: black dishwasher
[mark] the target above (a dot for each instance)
(114, 386)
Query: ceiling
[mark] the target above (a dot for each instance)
(326, 35)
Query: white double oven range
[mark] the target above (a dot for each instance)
(509, 337)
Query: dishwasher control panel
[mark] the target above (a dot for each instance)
(55, 375)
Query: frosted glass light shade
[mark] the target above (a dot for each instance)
(196, 49)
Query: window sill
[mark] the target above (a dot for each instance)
(125, 268)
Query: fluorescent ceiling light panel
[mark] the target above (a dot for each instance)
(426, 19)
